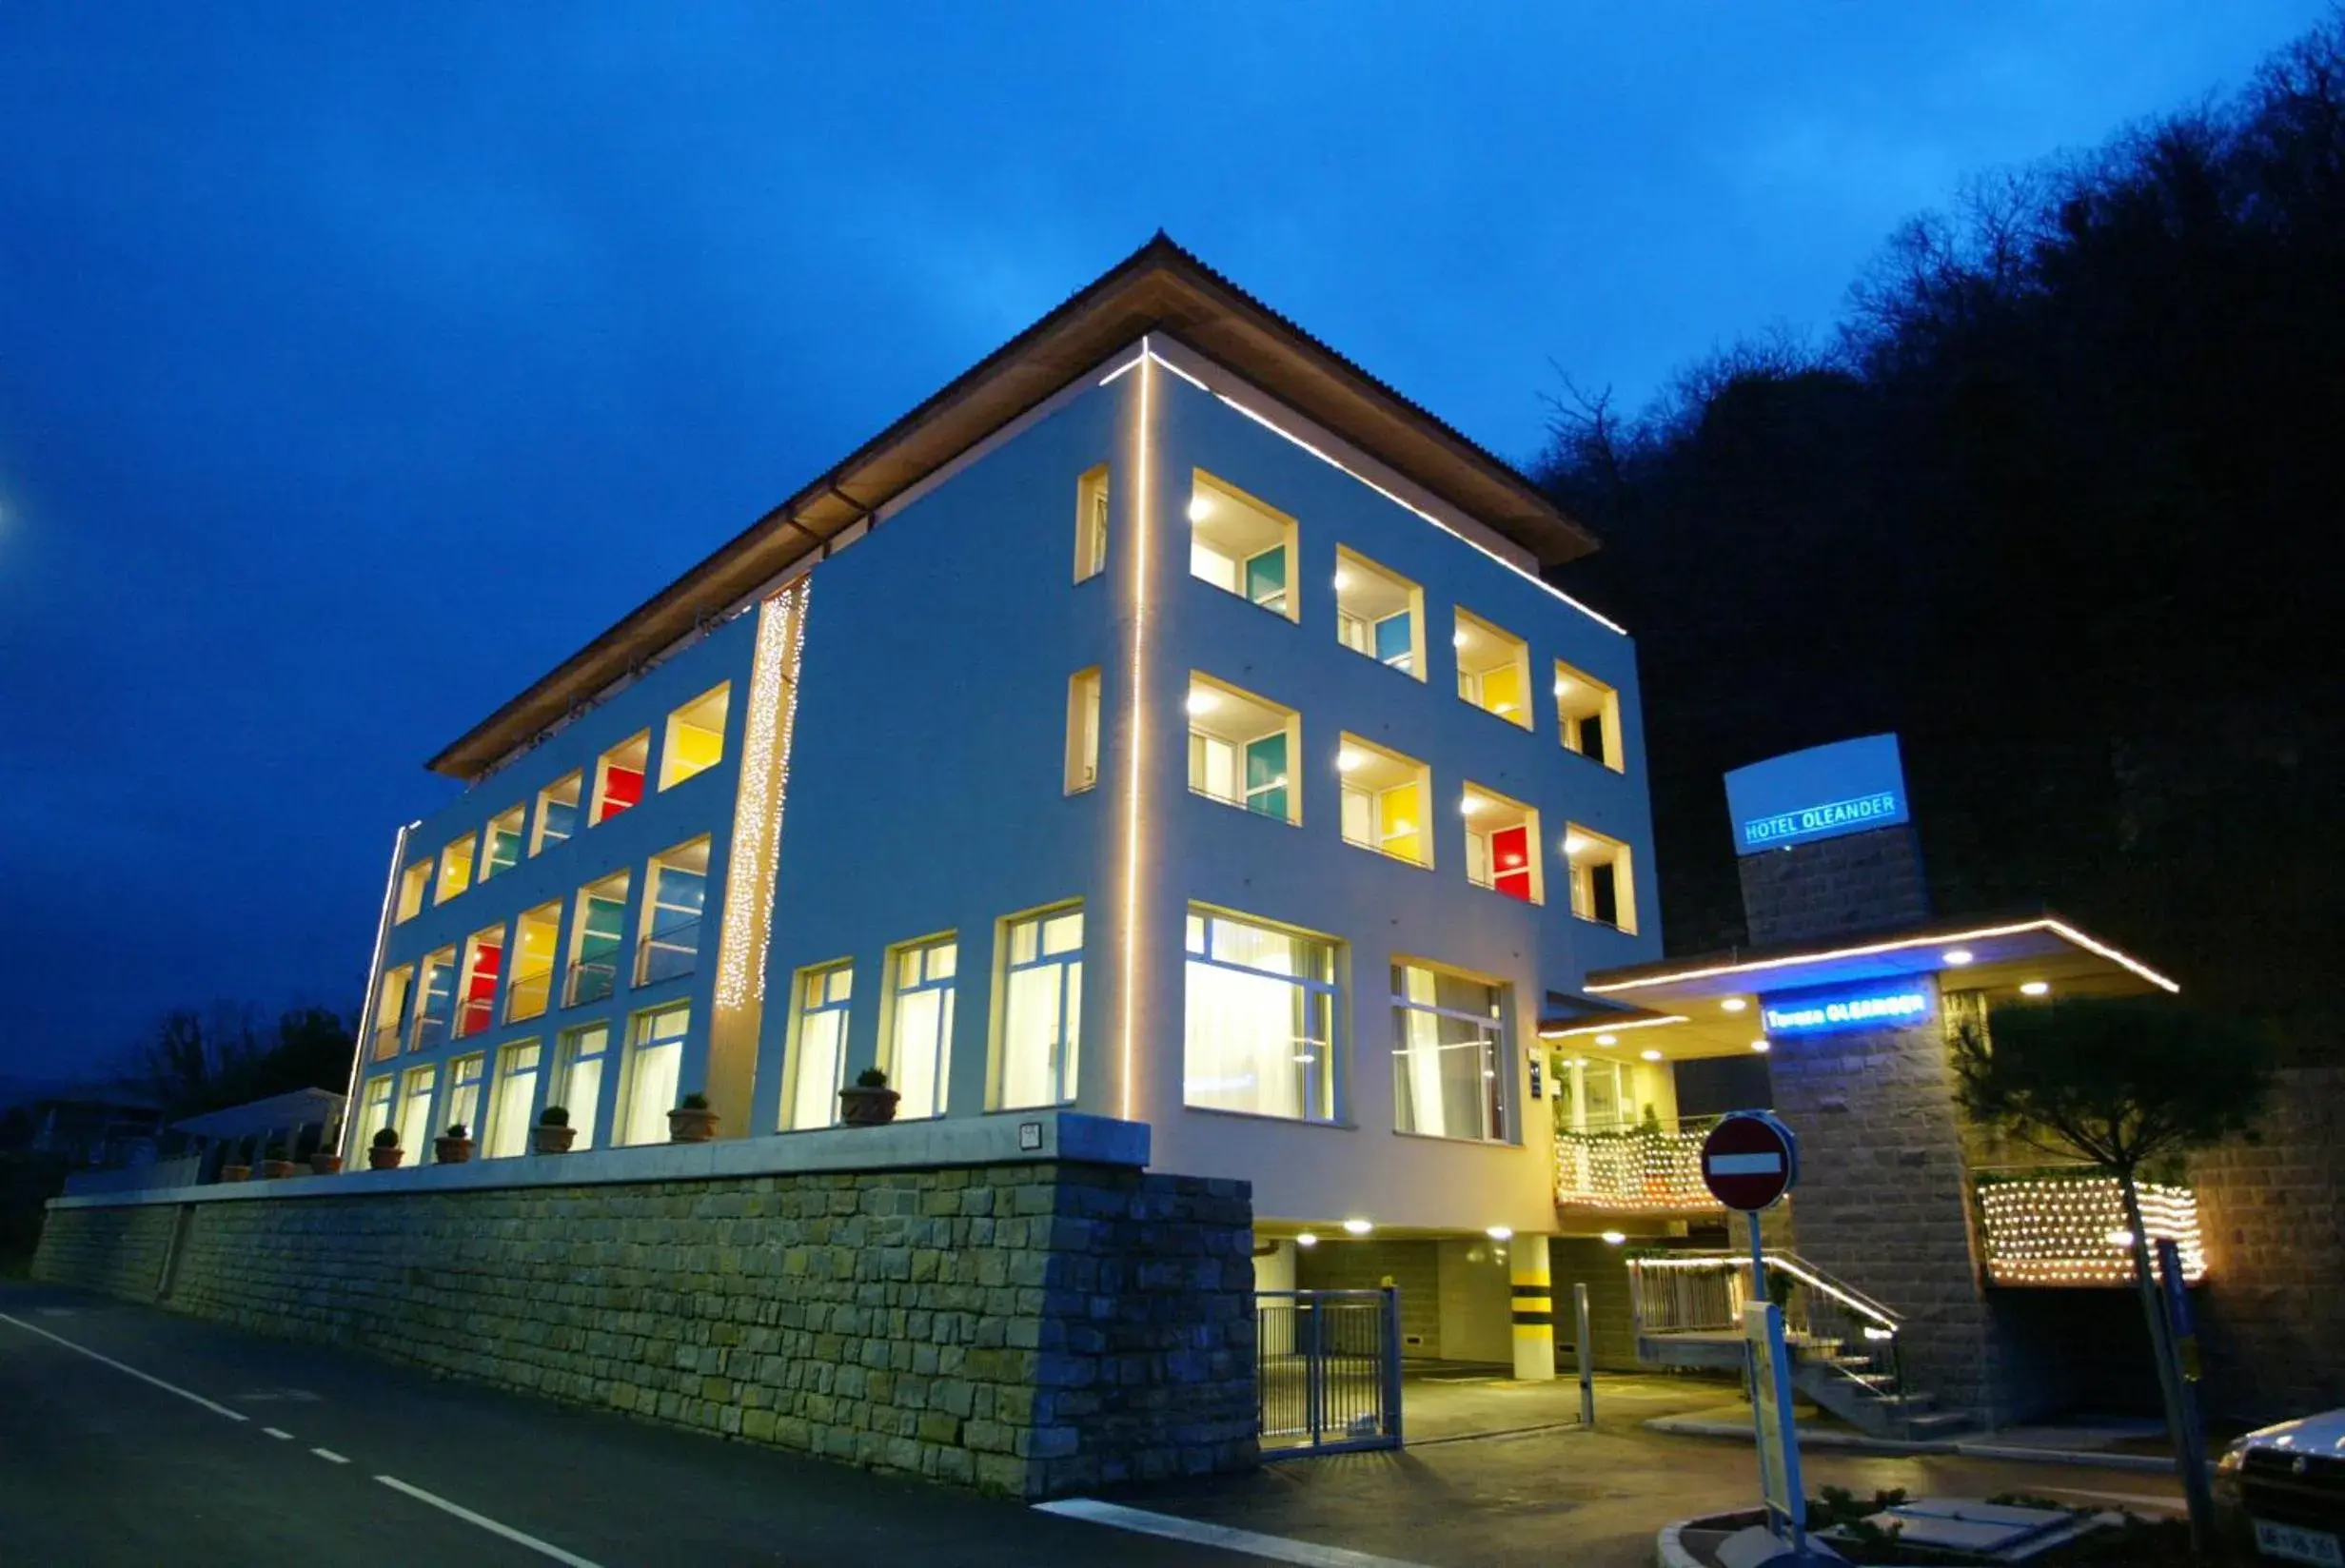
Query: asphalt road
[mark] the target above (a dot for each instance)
(101, 1467)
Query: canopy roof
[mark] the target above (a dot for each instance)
(286, 1113)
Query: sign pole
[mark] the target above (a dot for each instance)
(1749, 1160)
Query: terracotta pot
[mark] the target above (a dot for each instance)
(552, 1140)
(691, 1126)
(272, 1169)
(384, 1159)
(451, 1151)
(323, 1163)
(861, 1107)
(234, 1173)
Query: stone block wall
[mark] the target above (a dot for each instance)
(1024, 1329)
(1862, 882)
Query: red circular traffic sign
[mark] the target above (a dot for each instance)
(1749, 1160)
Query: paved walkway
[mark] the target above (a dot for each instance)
(1443, 1401)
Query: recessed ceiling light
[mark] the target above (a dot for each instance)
(1561, 685)
(1574, 844)
(1650, 1055)
(1358, 1227)
(1347, 761)
(1957, 957)
(1343, 580)
(1500, 1233)
(1734, 1004)
(1306, 1239)
(1467, 805)
(1614, 1238)
(2035, 988)
(1203, 701)
(1760, 1046)
(1608, 1039)
(1198, 507)
(1457, 640)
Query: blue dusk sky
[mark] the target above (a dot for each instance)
(359, 363)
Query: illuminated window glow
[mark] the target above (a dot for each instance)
(508, 1132)
(695, 739)
(413, 884)
(619, 777)
(502, 849)
(464, 1103)
(1379, 612)
(1091, 525)
(1259, 1020)
(556, 811)
(475, 1003)
(1041, 1039)
(649, 1086)
(1493, 669)
(1242, 546)
(919, 1055)
(455, 870)
(1502, 845)
(577, 1079)
(598, 932)
(1082, 730)
(435, 1007)
(1602, 887)
(391, 1010)
(531, 990)
(1242, 750)
(1588, 713)
(1386, 798)
(415, 1124)
(818, 1047)
(1449, 1059)
(674, 898)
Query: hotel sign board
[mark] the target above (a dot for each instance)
(1875, 1003)
(1848, 787)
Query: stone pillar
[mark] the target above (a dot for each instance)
(1534, 1308)
(1834, 886)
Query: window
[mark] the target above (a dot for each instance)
(1493, 669)
(391, 1010)
(674, 894)
(455, 870)
(413, 883)
(463, 1107)
(1502, 845)
(1042, 1009)
(1259, 1021)
(1091, 524)
(818, 1061)
(578, 1080)
(1240, 748)
(503, 850)
(619, 777)
(376, 1099)
(1384, 797)
(695, 741)
(596, 935)
(531, 990)
(1601, 888)
(556, 811)
(516, 1090)
(655, 1064)
(920, 1026)
(435, 1004)
(1590, 712)
(1600, 1100)
(476, 1006)
(1448, 1052)
(415, 1128)
(1241, 546)
(1083, 730)
(1379, 612)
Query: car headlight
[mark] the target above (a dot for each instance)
(2226, 1485)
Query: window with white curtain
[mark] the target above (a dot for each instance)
(1259, 1034)
(463, 1107)
(823, 996)
(920, 1026)
(1449, 1054)
(577, 1088)
(1041, 1010)
(415, 1128)
(655, 1064)
(508, 1116)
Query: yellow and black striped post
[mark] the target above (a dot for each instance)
(1534, 1307)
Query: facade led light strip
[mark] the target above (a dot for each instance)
(1144, 437)
(363, 1045)
(2066, 932)
(1613, 1029)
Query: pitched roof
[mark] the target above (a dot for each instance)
(1159, 288)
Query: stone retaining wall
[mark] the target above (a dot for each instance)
(1026, 1329)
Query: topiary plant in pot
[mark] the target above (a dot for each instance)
(454, 1147)
(868, 1102)
(325, 1160)
(692, 1122)
(553, 1134)
(384, 1152)
(275, 1162)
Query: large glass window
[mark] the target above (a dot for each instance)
(920, 1026)
(1083, 730)
(455, 869)
(1449, 1054)
(1260, 1020)
(435, 1006)
(531, 990)
(819, 1059)
(695, 740)
(1379, 612)
(502, 849)
(517, 1089)
(1502, 845)
(1601, 890)
(1241, 546)
(413, 884)
(476, 1007)
(376, 1115)
(655, 1064)
(1493, 669)
(1042, 1009)
(556, 811)
(674, 898)
(391, 1010)
(1091, 524)
(1590, 712)
(619, 777)
(415, 1128)
(1385, 795)
(597, 933)
(578, 1078)
(1241, 750)
(463, 1107)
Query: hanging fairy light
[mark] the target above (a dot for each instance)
(1637, 1170)
(2062, 1229)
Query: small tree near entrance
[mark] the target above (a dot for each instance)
(2119, 1083)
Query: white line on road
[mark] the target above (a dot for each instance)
(108, 1361)
(329, 1456)
(280, 1435)
(486, 1523)
(1276, 1548)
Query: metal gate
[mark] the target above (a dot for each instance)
(1328, 1370)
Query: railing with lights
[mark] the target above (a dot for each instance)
(1650, 1171)
(2067, 1227)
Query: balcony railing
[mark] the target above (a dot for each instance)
(474, 1016)
(529, 995)
(386, 1041)
(2062, 1225)
(430, 1029)
(668, 954)
(591, 980)
(1635, 1170)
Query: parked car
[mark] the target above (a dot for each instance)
(2285, 1485)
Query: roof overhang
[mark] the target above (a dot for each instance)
(1160, 286)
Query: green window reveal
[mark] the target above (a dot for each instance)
(1266, 578)
(1266, 775)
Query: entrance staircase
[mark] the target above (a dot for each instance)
(1688, 1310)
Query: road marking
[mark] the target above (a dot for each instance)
(1276, 1548)
(329, 1456)
(2148, 1500)
(142, 1377)
(486, 1523)
(279, 1434)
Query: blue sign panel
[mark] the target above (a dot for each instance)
(1877, 1003)
(1850, 786)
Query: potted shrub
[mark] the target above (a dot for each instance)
(275, 1163)
(385, 1153)
(232, 1166)
(454, 1147)
(553, 1134)
(692, 1122)
(868, 1102)
(324, 1161)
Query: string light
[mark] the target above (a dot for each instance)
(1638, 1171)
(764, 785)
(2060, 1228)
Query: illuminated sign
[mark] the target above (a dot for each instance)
(1875, 1006)
(1850, 786)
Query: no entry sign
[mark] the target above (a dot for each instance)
(1749, 1160)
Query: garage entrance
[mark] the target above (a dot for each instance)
(1328, 1370)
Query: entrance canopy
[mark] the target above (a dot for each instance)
(1713, 1004)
